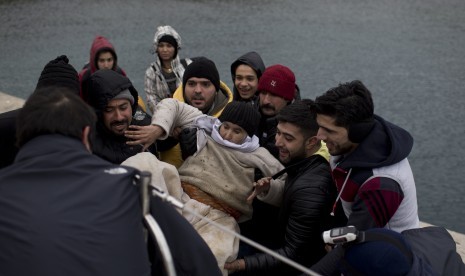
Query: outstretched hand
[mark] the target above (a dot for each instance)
(261, 186)
(143, 135)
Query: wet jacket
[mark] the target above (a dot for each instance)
(64, 211)
(380, 189)
(308, 195)
(105, 85)
(156, 87)
(253, 60)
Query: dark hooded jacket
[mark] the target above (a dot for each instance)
(99, 44)
(253, 60)
(379, 188)
(105, 85)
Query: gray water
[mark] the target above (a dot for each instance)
(410, 54)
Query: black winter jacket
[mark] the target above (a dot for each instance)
(105, 85)
(305, 213)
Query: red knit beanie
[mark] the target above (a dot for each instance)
(279, 80)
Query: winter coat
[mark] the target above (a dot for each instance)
(379, 188)
(106, 84)
(253, 60)
(156, 87)
(64, 211)
(308, 195)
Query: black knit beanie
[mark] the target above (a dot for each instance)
(169, 39)
(202, 67)
(242, 114)
(59, 73)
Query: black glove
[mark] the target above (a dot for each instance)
(188, 142)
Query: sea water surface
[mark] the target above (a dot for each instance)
(410, 54)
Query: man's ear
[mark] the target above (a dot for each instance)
(311, 142)
(86, 138)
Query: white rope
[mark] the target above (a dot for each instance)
(165, 197)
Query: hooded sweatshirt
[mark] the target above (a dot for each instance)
(375, 182)
(253, 60)
(99, 44)
(105, 85)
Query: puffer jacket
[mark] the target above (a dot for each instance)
(305, 213)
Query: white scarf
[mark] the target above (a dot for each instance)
(207, 125)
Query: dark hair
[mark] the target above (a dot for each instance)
(349, 103)
(299, 114)
(53, 110)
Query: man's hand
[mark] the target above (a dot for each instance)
(236, 265)
(261, 186)
(143, 135)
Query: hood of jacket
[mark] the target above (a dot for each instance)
(105, 85)
(251, 59)
(161, 32)
(385, 145)
(223, 97)
(100, 43)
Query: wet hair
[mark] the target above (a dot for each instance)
(348, 103)
(299, 114)
(53, 110)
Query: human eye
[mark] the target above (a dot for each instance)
(206, 84)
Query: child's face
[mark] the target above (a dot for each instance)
(233, 133)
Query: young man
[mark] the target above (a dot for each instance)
(368, 160)
(113, 98)
(276, 89)
(246, 72)
(305, 200)
(217, 179)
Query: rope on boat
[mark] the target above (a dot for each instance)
(176, 203)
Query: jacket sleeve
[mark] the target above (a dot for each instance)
(308, 200)
(171, 113)
(150, 89)
(376, 202)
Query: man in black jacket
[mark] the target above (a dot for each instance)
(64, 211)
(305, 199)
(114, 99)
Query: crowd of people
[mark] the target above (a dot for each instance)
(257, 160)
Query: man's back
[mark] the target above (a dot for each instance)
(64, 211)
